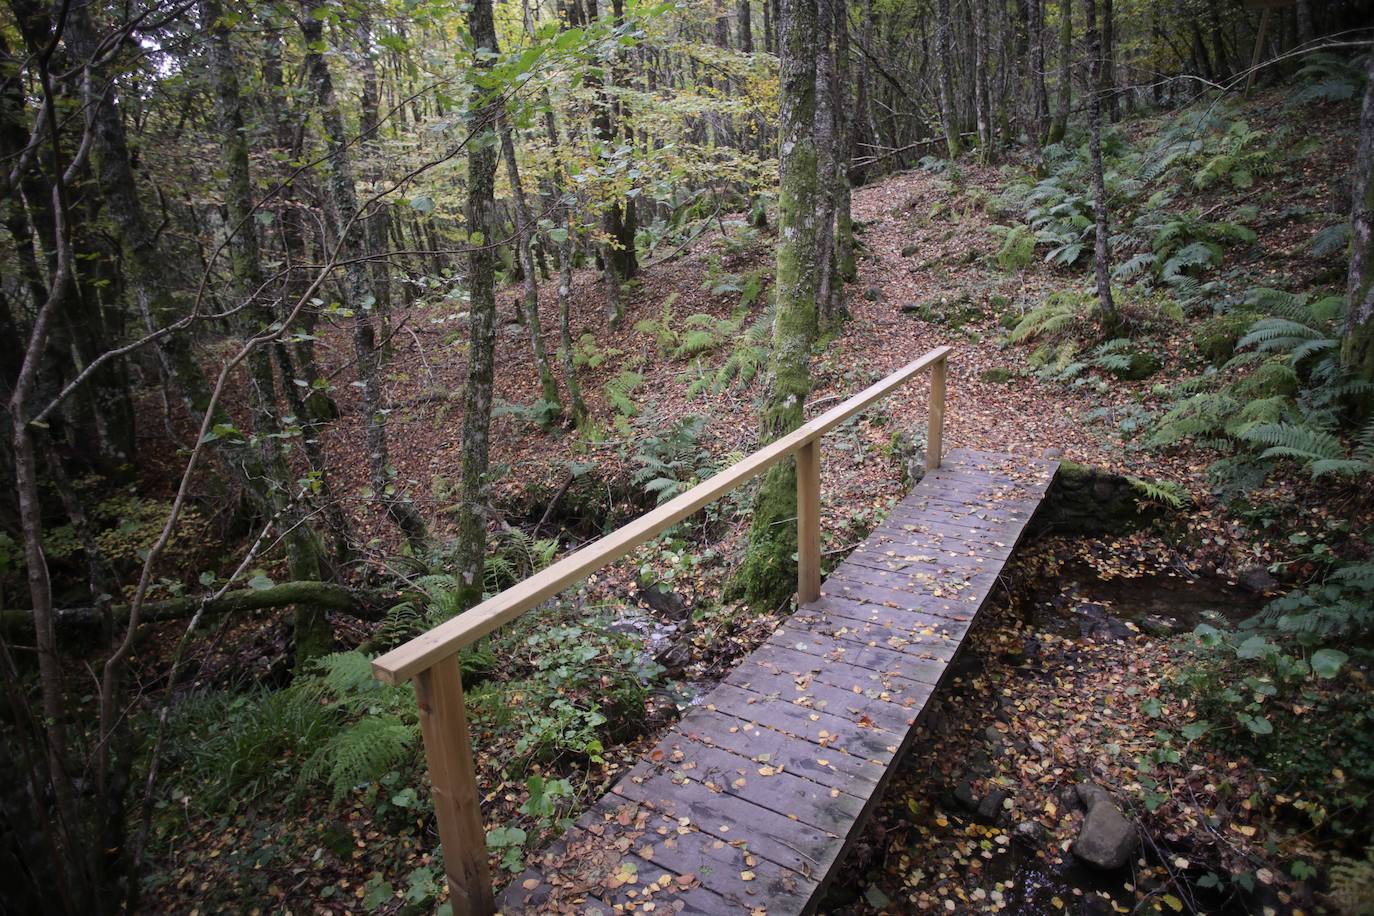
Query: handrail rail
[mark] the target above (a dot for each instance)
(431, 659)
(405, 661)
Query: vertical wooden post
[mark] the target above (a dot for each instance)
(448, 749)
(935, 431)
(809, 522)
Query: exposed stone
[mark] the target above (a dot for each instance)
(873, 294)
(1052, 453)
(965, 797)
(990, 808)
(910, 250)
(1158, 626)
(1107, 839)
(1257, 580)
(1086, 501)
(1028, 832)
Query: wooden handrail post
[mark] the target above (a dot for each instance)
(935, 431)
(448, 750)
(809, 521)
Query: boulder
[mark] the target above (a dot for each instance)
(1107, 839)
(1256, 579)
(990, 808)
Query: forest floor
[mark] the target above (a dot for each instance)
(1068, 677)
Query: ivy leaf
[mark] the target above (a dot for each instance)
(1259, 725)
(1195, 730)
(260, 582)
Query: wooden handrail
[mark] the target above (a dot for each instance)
(405, 661)
(431, 659)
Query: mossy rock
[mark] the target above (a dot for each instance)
(910, 250)
(1216, 337)
(953, 315)
(873, 294)
(1143, 364)
(997, 375)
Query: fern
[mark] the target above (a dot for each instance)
(1331, 239)
(1162, 492)
(361, 753)
(618, 392)
(1352, 885)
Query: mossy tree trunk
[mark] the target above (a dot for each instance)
(767, 575)
(471, 544)
(1357, 347)
(1102, 253)
(262, 458)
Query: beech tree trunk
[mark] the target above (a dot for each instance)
(767, 574)
(487, 105)
(1106, 308)
(824, 139)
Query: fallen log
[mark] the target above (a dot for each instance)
(367, 604)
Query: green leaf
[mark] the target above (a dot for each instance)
(1259, 725)
(558, 235)
(1327, 662)
(260, 582)
(1151, 707)
(1195, 730)
(422, 203)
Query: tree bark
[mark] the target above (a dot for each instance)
(365, 604)
(767, 574)
(360, 293)
(1040, 111)
(824, 139)
(1357, 346)
(1106, 308)
(524, 229)
(1060, 124)
(745, 25)
(845, 266)
(470, 552)
(949, 116)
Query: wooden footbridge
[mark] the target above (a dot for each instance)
(748, 804)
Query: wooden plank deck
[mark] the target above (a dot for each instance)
(748, 804)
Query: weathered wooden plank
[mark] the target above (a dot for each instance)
(822, 728)
(832, 767)
(799, 848)
(826, 808)
(773, 774)
(809, 693)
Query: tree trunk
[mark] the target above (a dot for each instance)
(1040, 110)
(981, 64)
(767, 574)
(264, 459)
(1107, 60)
(1357, 347)
(824, 139)
(1060, 125)
(845, 266)
(359, 292)
(524, 228)
(949, 116)
(745, 25)
(486, 106)
(1106, 308)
